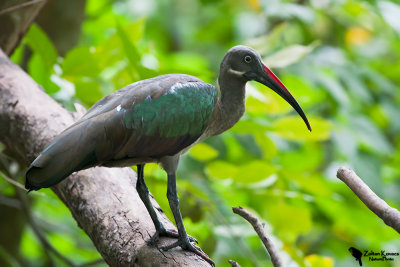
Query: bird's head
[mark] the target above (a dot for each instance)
(246, 64)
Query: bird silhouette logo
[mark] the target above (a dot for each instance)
(356, 254)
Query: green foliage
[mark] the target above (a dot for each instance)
(340, 61)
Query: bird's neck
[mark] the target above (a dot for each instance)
(231, 104)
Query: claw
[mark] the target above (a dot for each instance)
(167, 233)
(185, 244)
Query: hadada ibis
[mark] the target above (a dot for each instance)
(156, 120)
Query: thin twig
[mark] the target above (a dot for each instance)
(38, 232)
(259, 228)
(12, 8)
(23, 203)
(389, 215)
(19, 185)
(13, 182)
(234, 263)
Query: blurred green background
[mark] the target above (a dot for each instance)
(340, 59)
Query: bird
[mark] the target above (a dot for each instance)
(156, 121)
(356, 254)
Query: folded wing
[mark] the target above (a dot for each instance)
(145, 120)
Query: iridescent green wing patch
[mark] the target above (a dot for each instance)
(185, 109)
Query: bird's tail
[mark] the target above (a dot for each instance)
(71, 151)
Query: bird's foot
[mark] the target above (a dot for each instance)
(167, 233)
(186, 244)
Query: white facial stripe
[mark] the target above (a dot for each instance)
(236, 72)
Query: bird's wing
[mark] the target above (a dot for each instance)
(149, 119)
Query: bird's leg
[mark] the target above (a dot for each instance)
(143, 192)
(183, 239)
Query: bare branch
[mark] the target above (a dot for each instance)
(18, 6)
(234, 263)
(259, 228)
(389, 215)
(103, 201)
(36, 229)
(13, 182)
(15, 18)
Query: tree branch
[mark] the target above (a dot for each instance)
(259, 228)
(16, 17)
(18, 6)
(389, 215)
(103, 201)
(234, 263)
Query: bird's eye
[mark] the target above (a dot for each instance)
(247, 59)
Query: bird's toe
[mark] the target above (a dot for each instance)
(186, 244)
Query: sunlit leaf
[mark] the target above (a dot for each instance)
(73, 65)
(38, 41)
(130, 51)
(136, 30)
(88, 90)
(307, 158)
(203, 152)
(357, 36)
(41, 74)
(30, 245)
(185, 62)
(221, 169)
(292, 220)
(267, 145)
(289, 55)
(319, 261)
(249, 126)
(254, 171)
(293, 128)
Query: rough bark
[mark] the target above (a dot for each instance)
(103, 201)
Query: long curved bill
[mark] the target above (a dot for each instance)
(270, 80)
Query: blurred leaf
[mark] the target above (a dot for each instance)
(289, 55)
(203, 152)
(307, 158)
(266, 144)
(249, 126)
(136, 30)
(357, 36)
(293, 128)
(221, 169)
(41, 74)
(370, 136)
(319, 261)
(390, 12)
(247, 141)
(30, 246)
(41, 45)
(63, 242)
(292, 220)
(329, 80)
(131, 52)
(254, 171)
(73, 65)
(88, 90)
(306, 94)
(185, 62)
